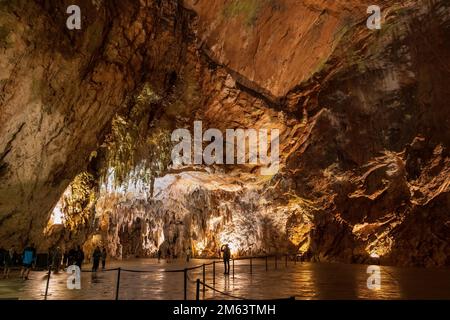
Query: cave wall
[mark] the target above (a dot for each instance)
(60, 89)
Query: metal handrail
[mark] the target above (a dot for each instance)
(184, 270)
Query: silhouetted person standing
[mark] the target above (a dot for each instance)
(226, 253)
(8, 261)
(103, 258)
(56, 259)
(159, 255)
(65, 259)
(72, 259)
(79, 257)
(3, 253)
(96, 256)
(188, 254)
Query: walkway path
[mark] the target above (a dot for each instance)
(302, 280)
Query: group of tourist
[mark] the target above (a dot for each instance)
(55, 259)
(74, 256)
(170, 255)
(10, 258)
(224, 251)
(97, 256)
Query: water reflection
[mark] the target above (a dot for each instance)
(303, 280)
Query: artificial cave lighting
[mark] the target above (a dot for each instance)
(200, 246)
(97, 239)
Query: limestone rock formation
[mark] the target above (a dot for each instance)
(362, 116)
(60, 90)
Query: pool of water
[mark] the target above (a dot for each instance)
(299, 280)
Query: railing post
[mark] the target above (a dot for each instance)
(118, 284)
(197, 294)
(185, 284)
(286, 260)
(267, 268)
(233, 268)
(276, 261)
(251, 265)
(204, 276)
(48, 282)
(214, 273)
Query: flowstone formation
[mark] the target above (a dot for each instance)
(362, 116)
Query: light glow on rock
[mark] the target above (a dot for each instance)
(200, 246)
(57, 217)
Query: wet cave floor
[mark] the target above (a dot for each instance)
(302, 280)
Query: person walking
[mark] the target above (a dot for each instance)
(159, 255)
(3, 253)
(8, 261)
(28, 258)
(72, 257)
(168, 254)
(79, 257)
(56, 259)
(226, 254)
(96, 258)
(103, 258)
(188, 254)
(65, 259)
